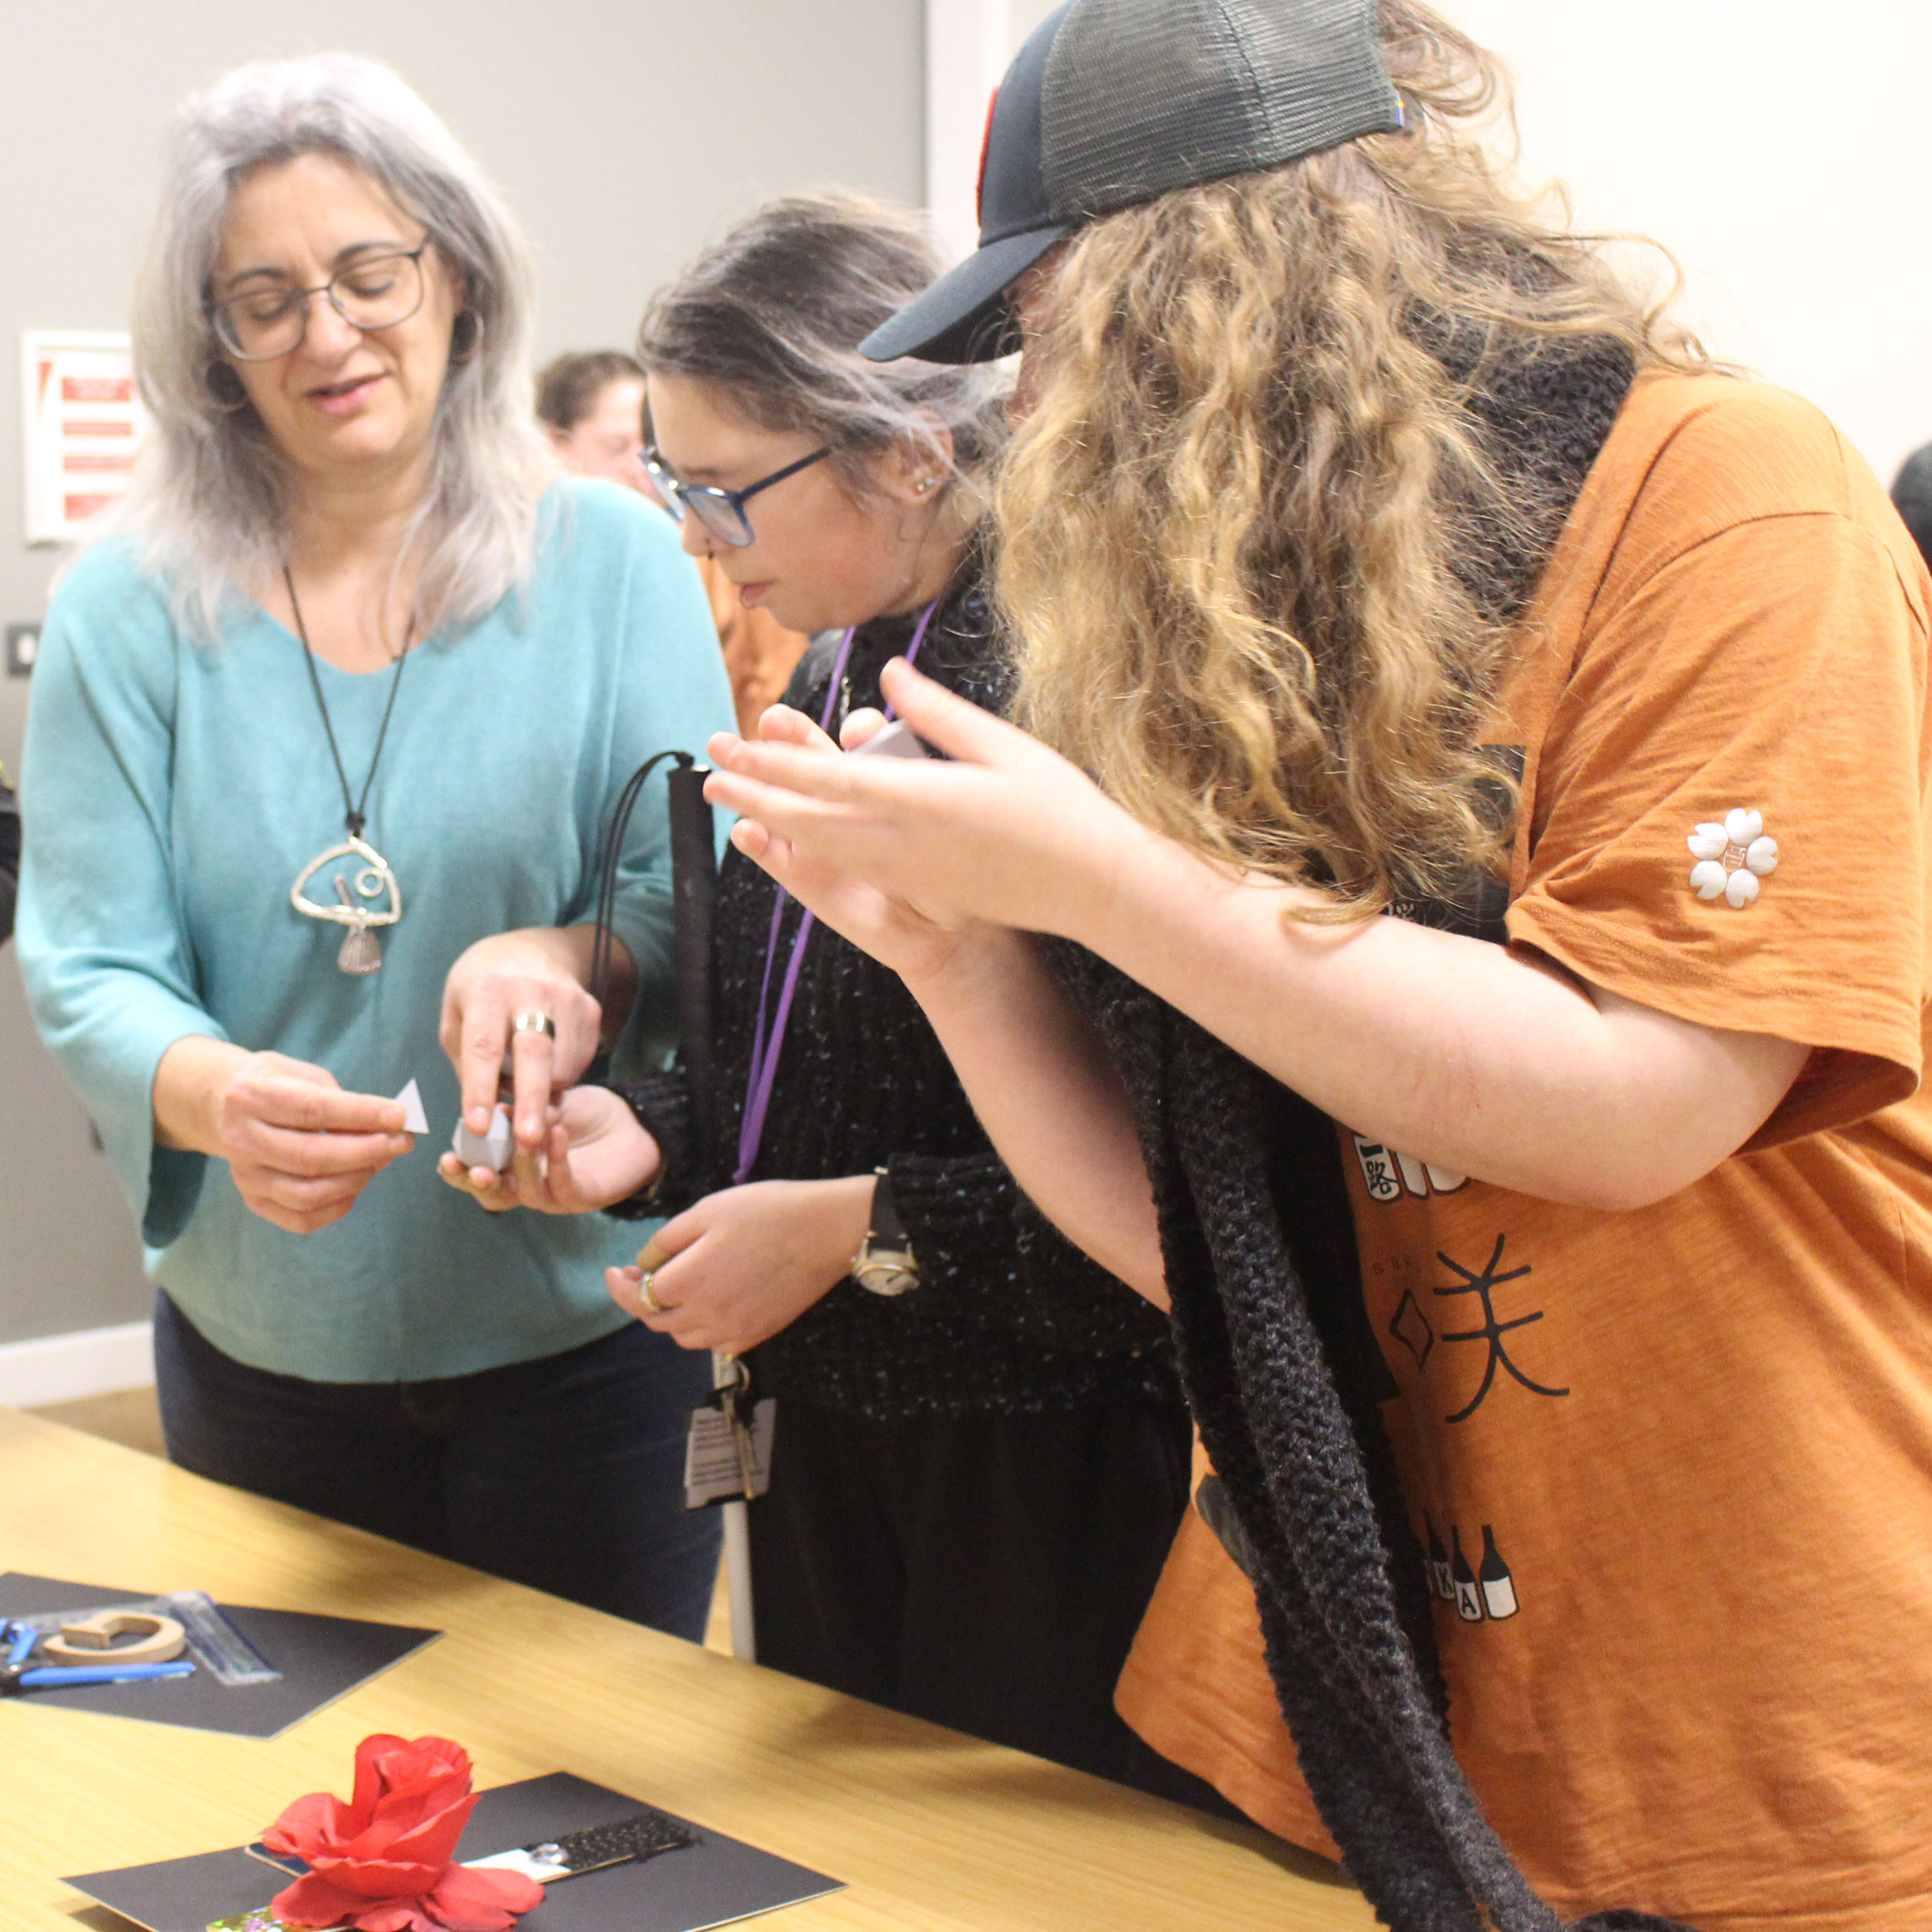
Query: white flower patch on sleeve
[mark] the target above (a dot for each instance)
(1732, 857)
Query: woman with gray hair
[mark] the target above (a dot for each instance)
(325, 738)
(980, 1456)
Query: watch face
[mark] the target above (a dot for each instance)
(886, 1271)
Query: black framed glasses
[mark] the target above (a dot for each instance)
(720, 511)
(375, 291)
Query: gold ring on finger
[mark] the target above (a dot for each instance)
(534, 1021)
(650, 1300)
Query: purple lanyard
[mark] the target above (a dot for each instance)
(766, 1046)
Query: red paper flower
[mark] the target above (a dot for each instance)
(383, 1862)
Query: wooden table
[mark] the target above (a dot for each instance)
(928, 1828)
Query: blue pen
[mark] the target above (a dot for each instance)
(62, 1677)
(25, 1637)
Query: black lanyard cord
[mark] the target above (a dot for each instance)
(353, 808)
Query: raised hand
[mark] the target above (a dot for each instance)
(904, 856)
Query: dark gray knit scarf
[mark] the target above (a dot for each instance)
(1286, 1380)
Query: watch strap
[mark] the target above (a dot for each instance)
(887, 1230)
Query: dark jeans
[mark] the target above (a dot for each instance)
(988, 1572)
(566, 1473)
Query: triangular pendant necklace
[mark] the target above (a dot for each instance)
(370, 896)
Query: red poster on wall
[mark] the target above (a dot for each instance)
(83, 422)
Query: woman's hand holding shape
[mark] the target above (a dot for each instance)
(539, 970)
(301, 1149)
(745, 1262)
(905, 856)
(595, 1153)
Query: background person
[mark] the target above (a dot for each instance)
(352, 634)
(1911, 498)
(1350, 489)
(978, 1461)
(592, 405)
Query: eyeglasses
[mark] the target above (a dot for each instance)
(720, 511)
(377, 291)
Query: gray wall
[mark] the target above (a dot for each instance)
(624, 135)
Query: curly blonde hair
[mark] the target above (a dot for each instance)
(1246, 522)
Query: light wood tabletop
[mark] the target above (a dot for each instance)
(928, 1829)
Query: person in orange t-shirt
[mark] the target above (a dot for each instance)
(592, 405)
(1568, 1457)
(1196, 1686)
(1549, 1257)
(1668, 1463)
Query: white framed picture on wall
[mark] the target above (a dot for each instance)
(81, 422)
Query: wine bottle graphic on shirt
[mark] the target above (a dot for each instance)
(1440, 1584)
(1498, 1585)
(1469, 1591)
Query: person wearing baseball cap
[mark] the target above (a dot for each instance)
(1546, 1255)
(1107, 107)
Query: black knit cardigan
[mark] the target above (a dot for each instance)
(1009, 1316)
(1280, 1369)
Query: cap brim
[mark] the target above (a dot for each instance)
(964, 317)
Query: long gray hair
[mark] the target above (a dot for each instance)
(209, 508)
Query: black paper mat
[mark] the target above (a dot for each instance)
(321, 1659)
(713, 1883)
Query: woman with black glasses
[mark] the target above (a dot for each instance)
(980, 1453)
(348, 698)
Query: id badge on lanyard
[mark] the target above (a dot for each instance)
(728, 1453)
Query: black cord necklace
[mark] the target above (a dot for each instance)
(376, 899)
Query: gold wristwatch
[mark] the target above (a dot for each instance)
(885, 1263)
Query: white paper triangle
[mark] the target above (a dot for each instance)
(415, 1120)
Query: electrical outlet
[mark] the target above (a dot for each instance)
(23, 646)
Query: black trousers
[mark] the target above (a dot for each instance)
(566, 1473)
(986, 1572)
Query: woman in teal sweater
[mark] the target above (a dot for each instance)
(323, 743)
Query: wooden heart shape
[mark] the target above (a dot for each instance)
(373, 881)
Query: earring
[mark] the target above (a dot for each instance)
(227, 389)
(926, 483)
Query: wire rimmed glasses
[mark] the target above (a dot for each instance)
(720, 511)
(374, 292)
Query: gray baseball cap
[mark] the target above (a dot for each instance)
(1112, 103)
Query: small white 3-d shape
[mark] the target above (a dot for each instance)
(1732, 857)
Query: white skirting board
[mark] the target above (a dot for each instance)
(64, 1368)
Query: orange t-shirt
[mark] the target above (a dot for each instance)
(1674, 1466)
(1196, 1686)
